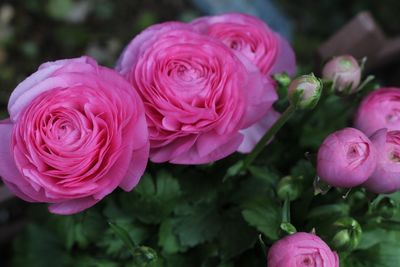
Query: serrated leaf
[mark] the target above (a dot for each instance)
(200, 225)
(167, 239)
(236, 236)
(265, 216)
(385, 254)
(154, 200)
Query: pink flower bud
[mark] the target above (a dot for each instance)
(386, 177)
(346, 158)
(302, 249)
(380, 109)
(305, 91)
(344, 71)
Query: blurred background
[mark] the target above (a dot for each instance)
(36, 31)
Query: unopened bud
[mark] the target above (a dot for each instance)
(289, 188)
(305, 91)
(386, 208)
(345, 73)
(348, 234)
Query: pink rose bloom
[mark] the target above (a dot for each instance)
(386, 177)
(76, 132)
(252, 38)
(380, 109)
(199, 96)
(302, 250)
(346, 158)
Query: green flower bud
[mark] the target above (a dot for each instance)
(386, 208)
(305, 91)
(289, 188)
(282, 79)
(348, 234)
(143, 256)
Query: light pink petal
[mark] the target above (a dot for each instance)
(116, 174)
(9, 172)
(254, 133)
(170, 151)
(24, 92)
(136, 168)
(192, 156)
(72, 206)
(260, 91)
(286, 59)
(131, 52)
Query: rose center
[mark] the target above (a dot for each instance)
(234, 45)
(306, 261)
(395, 156)
(356, 153)
(393, 116)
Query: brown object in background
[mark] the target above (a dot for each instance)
(362, 37)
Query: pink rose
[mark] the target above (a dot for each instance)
(76, 132)
(252, 38)
(386, 177)
(302, 250)
(199, 96)
(380, 109)
(346, 158)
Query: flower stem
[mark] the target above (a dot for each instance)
(268, 136)
(286, 211)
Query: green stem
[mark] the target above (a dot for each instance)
(268, 136)
(286, 211)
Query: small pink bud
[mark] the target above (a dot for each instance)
(346, 158)
(386, 177)
(302, 249)
(344, 71)
(305, 91)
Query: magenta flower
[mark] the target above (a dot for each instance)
(380, 109)
(199, 96)
(302, 250)
(252, 38)
(346, 158)
(386, 177)
(76, 132)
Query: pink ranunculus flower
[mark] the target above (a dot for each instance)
(302, 250)
(380, 109)
(346, 158)
(252, 38)
(76, 132)
(386, 177)
(199, 96)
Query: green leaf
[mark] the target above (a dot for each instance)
(38, 247)
(202, 223)
(153, 201)
(236, 236)
(167, 239)
(385, 254)
(264, 215)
